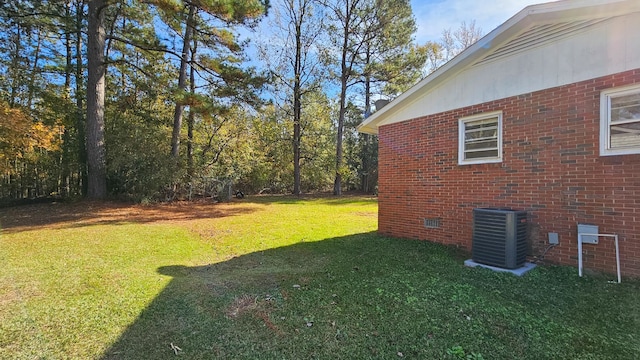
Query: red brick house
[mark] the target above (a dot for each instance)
(542, 115)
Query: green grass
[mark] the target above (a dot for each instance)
(282, 278)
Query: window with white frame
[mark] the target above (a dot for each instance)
(480, 138)
(620, 121)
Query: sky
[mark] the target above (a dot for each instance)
(434, 16)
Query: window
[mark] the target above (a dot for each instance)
(480, 138)
(620, 121)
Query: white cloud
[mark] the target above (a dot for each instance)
(434, 16)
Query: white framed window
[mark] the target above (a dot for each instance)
(620, 121)
(480, 138)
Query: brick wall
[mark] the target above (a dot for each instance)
(551, 168)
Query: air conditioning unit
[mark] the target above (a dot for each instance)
(499, 237)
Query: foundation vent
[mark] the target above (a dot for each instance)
(432, 223)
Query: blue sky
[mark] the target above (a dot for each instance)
(433, 16)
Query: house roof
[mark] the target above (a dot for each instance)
(533, 26)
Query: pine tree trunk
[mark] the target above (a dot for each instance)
(80, 120)
(182, 84)
(191, 118)
(297, 111)
(364, 149)
(96, 152)
(34, 70)
(15, 65)
(64, 181)
(337, 184)
(344, 78)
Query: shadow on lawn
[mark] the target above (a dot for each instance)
(86, 213)
(226, 310)
(368, 296)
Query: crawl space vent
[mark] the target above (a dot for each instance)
(432, 223)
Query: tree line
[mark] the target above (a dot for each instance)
(165, 99)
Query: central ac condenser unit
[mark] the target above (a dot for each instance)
(499, 237)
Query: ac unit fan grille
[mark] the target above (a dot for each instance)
(500, 237)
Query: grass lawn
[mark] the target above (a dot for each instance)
(281, 278)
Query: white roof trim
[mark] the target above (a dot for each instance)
(560, 11)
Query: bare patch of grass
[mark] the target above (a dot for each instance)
(241, 305)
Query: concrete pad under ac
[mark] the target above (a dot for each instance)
(518, 272)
